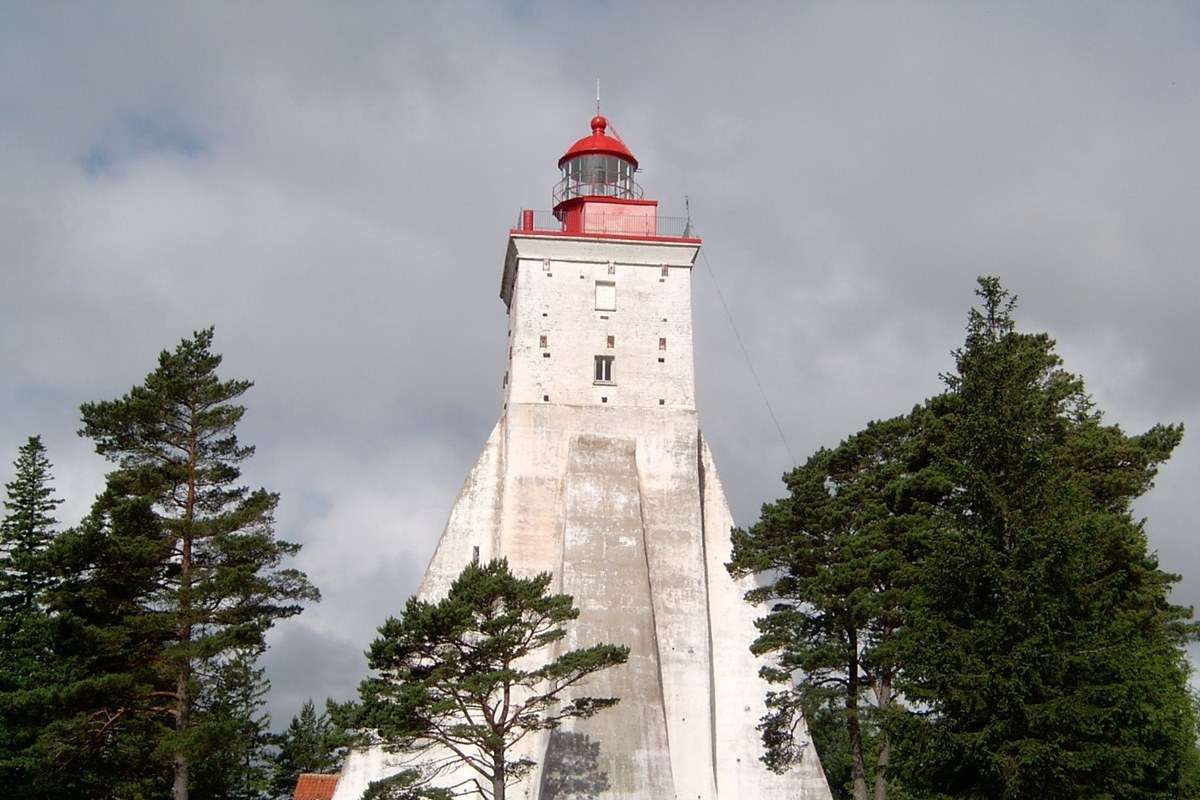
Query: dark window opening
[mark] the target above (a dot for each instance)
(604, 369)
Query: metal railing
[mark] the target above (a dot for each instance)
(597, 221)
(570, 188)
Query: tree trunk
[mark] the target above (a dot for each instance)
(180, 789)
(183, 703)
(498, 775)
(884, 695)
(858, 771)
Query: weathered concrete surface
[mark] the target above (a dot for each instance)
(610, 487)
(604, 567)
(739, 696)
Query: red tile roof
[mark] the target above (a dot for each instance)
(314, 786)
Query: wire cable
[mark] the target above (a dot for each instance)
(746, 355)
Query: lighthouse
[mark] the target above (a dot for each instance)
(597, 472)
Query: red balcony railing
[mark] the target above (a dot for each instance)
(609, 222)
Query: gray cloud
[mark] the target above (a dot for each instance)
(331, 187)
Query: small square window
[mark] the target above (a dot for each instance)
(545, 355)
(606, 296)
(546, 398)
(603, 399)
(662, 360)
(612, 342)
(604, 369)
(662, 402)
(542, 340)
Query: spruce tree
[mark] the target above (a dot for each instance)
(174, 443)
(27, 529)
(101, 731)
(312, 742)
(233, 760)
(26, 635)
(1044, 658)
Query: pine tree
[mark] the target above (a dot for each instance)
(27, 529)
(460, 680)
(174, 444)
(312, 743)
(838, 555)
(1045, 659)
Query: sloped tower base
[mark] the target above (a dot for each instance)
(625, 508)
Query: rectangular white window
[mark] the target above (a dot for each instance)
(606, 296)
(604, 369)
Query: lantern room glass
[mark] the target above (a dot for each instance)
(597, 175)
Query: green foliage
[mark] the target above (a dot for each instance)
(73, 667)
(26, 532)
(1043, 657)
(27, 528)
(95, 707)
(981, 554)
(839, 553)
(219, 584)
(461, 679)
(233, 762)
(312, 743)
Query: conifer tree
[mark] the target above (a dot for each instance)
(100, 730)
(1044, 657)
(26, 637)
(460, 680)
(232, 760)
(839, 554)
(28, 527)
(174, 443)
(312, 742)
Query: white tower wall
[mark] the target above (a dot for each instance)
(611, 487)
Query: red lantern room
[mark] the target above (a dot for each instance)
(598, 193)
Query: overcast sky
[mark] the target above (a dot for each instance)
(331, 187)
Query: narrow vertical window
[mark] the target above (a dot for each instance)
(604, 369)
(664, 270)
(546, 265)
(662, 343)
(542, 340)
(612, 342)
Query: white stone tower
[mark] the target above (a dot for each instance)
(597, 472)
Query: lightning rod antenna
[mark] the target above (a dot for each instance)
(597, 97)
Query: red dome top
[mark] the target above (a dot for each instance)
(599, 143)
